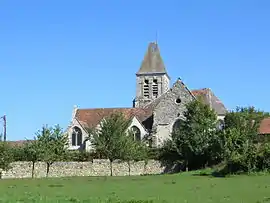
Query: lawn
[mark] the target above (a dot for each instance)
(188, 188)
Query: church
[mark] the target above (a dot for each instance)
(157, 107)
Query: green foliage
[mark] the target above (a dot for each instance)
(153, 153)
(263, 159)
(6, 157)
(198, 143)
(18, 153)
(52, 143)
(79, 156)
(246, 120)
(242, 151)
(195, 137)
(33, 151)
(110, 139)
(133, 150)
(169, 155)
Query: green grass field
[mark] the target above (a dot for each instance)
(188, 188)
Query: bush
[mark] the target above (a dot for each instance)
(154, 153)
(263, 158)
(79, 156)
(18, 153)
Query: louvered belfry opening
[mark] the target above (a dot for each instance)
(155, 88)
(146, 89)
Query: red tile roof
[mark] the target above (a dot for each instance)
(265, 126)
(17, 143)
(199, 92)
(209, 98)
(92, 117)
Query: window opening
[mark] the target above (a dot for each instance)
(146, 89)
(155, 88)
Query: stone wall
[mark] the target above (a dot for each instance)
(99, 167)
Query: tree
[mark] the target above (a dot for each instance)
(133, 151)
(33, 152)
(246, 120)
(109, 139)
(5, 157)
(241, 148)
(194, 135)
(18, 153)
(52, 142)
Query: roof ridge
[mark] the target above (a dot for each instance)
(186, 87)
(105, 108)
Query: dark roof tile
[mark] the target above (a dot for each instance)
(152, 62)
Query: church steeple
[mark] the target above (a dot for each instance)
(152, 62)
(152, 78)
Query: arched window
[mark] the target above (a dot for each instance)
(176, 125)
(76, 136)
(136, 133)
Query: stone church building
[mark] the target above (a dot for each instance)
(157, 106)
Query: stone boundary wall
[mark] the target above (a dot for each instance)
(99, 167)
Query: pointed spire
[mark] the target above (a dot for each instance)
(152, 62)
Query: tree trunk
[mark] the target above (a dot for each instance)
(33, 169)
(206, 164)
(186, 165)
(144, 167)
(129, 168)
(111, 168)
(0, 174)
(48, 169)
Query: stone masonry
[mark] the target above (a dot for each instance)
(99, 167)
(157, 107)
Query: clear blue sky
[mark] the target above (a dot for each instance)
(57, 54)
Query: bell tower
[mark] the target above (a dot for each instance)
(152, 79)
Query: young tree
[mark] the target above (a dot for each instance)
(33, 152)
(193, 137)
(53, 143)
(5, 157)
(109, 139)
(133, 151)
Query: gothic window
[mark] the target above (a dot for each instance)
(176, 125)
(155, 88)
(146, 89)
(220, 124)
(76, 137)
(136, 133)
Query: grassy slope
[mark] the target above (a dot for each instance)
(171, 188)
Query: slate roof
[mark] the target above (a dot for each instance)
(92, 117)
(209, 98)
(152, 62)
